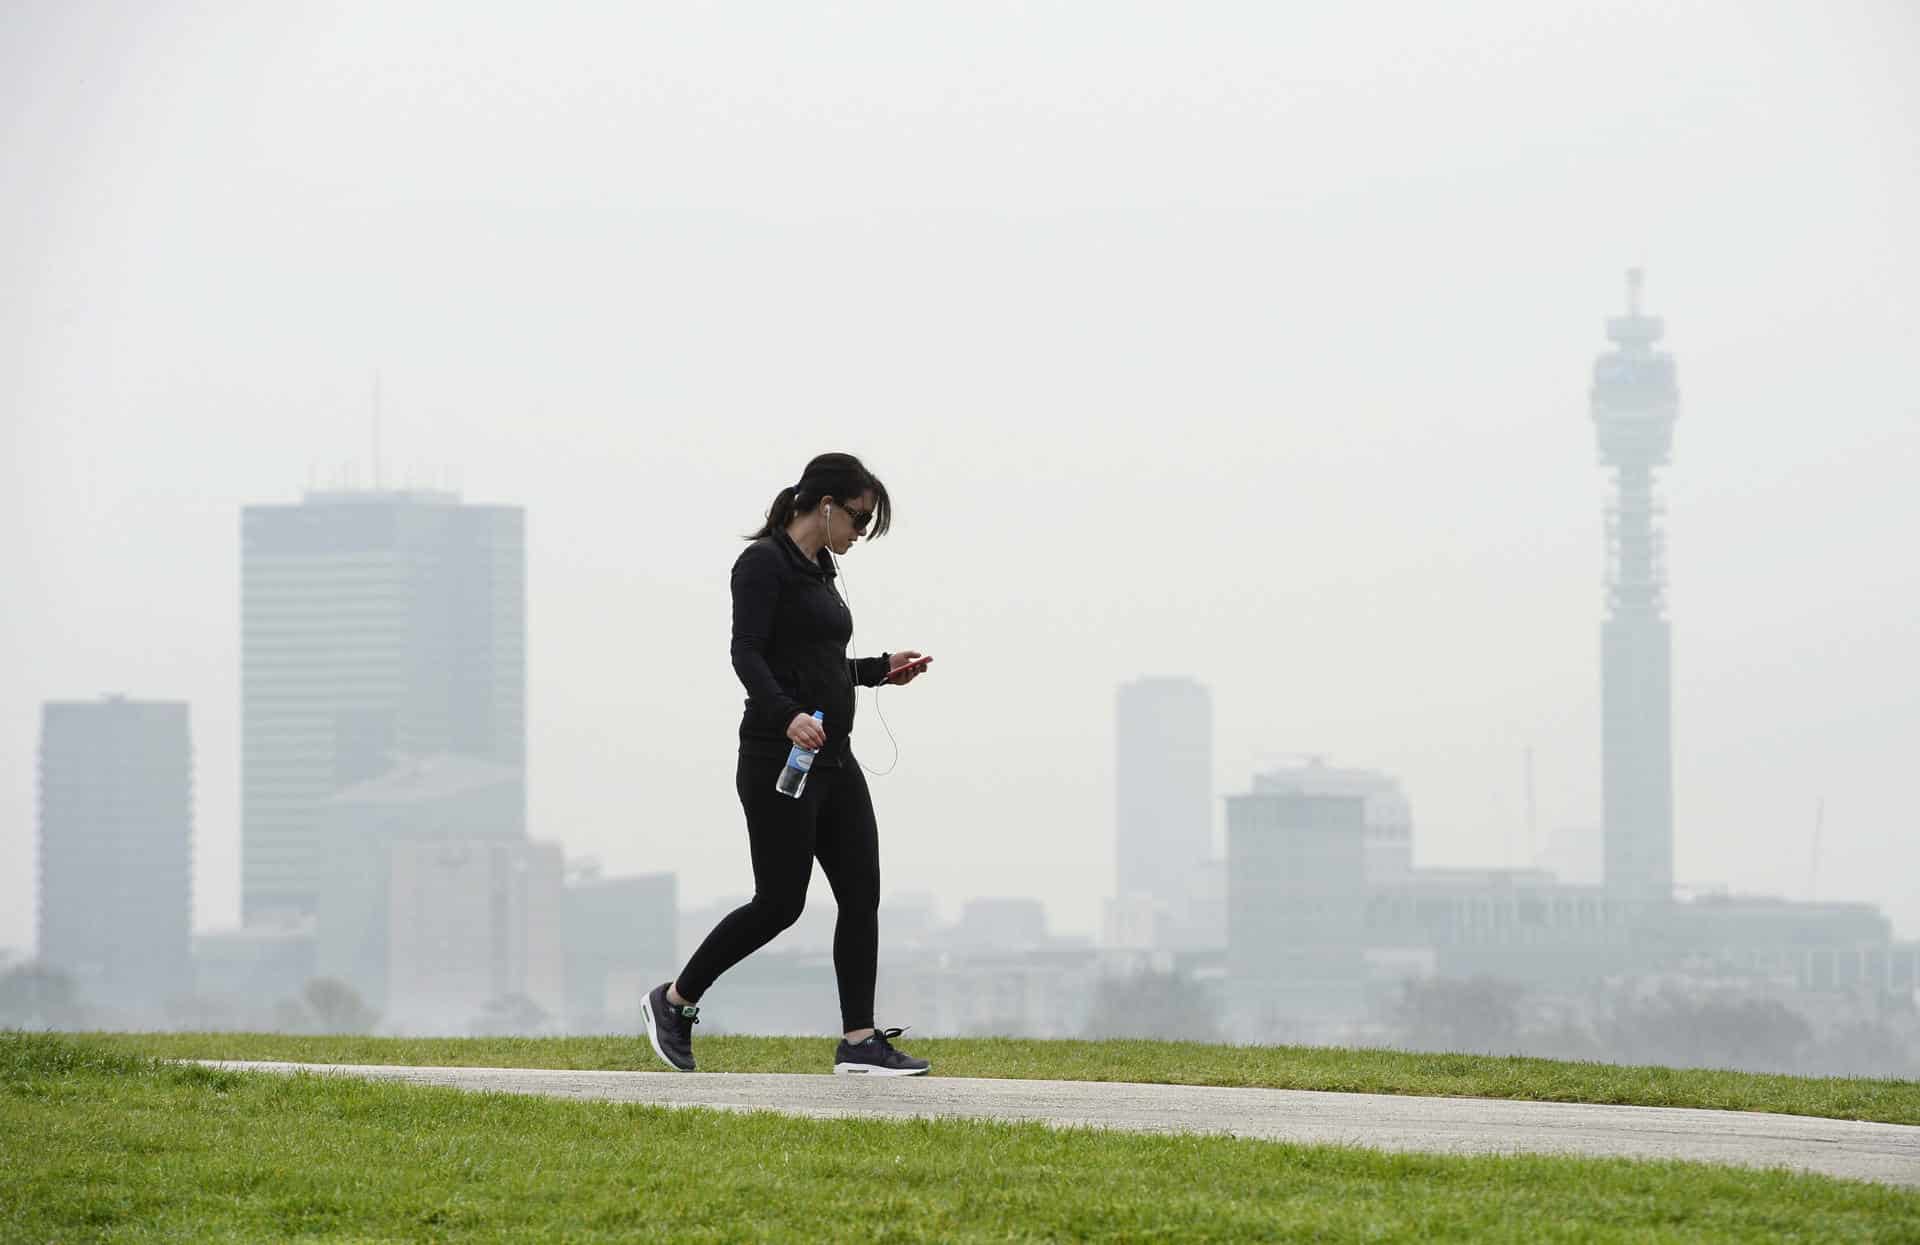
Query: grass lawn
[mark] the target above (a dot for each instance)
(97, 1143)
(1173, 1063)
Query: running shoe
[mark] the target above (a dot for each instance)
(876, 1057)
(670, 1028)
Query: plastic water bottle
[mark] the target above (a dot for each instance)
(793, 779)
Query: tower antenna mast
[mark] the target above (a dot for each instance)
(1634, 402)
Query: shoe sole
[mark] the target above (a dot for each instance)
(653, 1034)
(867, 1069)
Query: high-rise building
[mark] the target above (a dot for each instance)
(374, 626)
(1634, 404)
(116, 848)
(1163, 786)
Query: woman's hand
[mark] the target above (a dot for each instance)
(806, 732)
(905, 666)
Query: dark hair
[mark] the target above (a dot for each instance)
(839, 476)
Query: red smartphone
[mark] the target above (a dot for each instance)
(913, 667)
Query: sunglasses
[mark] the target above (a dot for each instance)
(859, 518)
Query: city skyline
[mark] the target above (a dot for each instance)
(376, 626)
(1312, 429)
(343, 494)
(1165, 695)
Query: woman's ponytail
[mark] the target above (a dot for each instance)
(781, 512)
(839, 476)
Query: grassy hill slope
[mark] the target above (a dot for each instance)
(1173, 1063)
(99, 1143)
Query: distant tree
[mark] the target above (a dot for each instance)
(1562, 1039)
(291, 1016)
(1704, 1031)
(1003, 1026)
(512, 1015)
(1169, 1006)
(36, 996)
(337, 1007)
(199, 1013)
(1866, 1048)
(1479, 1015)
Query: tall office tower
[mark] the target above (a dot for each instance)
(116, 848)
(1163, 786)
(1634, 403)
(374, 626)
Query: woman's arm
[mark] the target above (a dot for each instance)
(756, 593)
(869, 671)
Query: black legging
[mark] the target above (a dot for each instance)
(832, 820)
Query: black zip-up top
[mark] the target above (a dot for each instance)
(790, 633)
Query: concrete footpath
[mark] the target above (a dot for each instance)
(1885, 1153)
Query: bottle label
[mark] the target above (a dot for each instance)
(799, 758)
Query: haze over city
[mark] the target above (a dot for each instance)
(1226, 342)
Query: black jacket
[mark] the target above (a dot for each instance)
(790, 633)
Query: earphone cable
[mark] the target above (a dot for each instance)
(847, 599)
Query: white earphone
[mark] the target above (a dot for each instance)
(841, 574)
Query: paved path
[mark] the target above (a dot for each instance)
(1887, 1153)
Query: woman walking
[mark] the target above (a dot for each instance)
(790, 634)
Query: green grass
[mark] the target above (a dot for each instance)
(97, 1143)
(1172, 1063)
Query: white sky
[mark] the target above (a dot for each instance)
(1241, 341)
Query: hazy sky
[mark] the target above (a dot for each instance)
(1242, 341)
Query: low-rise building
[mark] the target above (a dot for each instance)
(619, 942)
